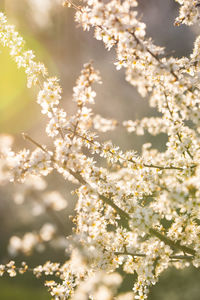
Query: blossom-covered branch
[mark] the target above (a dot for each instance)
(138, 212)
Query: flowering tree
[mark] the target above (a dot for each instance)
(139, 213)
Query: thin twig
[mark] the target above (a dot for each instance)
(176, 257)
(26, 137)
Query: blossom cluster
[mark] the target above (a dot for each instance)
(189, 12)
(24, 58)
(124, 204)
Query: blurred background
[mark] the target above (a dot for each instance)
(51, 32)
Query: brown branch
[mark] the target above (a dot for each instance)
(171, 243)
(125, 215)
